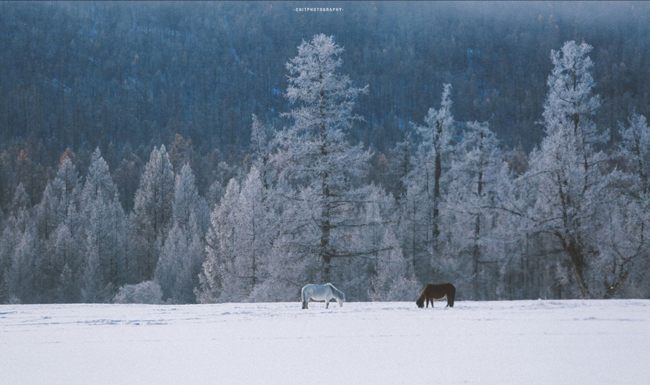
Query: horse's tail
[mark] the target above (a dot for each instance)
(302, 296)
(451, 295)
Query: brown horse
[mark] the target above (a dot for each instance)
(437, 291)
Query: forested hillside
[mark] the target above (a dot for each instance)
(178, 150)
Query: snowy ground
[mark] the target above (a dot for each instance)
(518, 342)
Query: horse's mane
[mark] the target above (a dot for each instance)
(336, 291)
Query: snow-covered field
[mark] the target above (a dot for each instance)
(518, 342)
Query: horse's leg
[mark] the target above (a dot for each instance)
(327, 303)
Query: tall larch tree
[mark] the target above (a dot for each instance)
(179, 265)
(104, 224)
(475, 179)
(425, 192)
(152, 212)
(314, 152)
(564, 171)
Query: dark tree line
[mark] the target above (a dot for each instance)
(129, 76)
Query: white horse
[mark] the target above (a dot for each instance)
(326, 292)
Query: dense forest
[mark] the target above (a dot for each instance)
(235, 151)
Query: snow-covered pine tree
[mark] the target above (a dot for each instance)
(218, 276)
(634, 150)
(104, 224)
(394, 279)
(152, 212)
(24, 276)
(179, 265)
(7, 246)
(17, 223)
(402, 157)
(566, 183)
(425, 192)
(261, 149)
(67, 253)
(475, 180)
(181, 257)
(58, 208)
(314, 153)
(187, 201)
(255, 234)
(623, 257)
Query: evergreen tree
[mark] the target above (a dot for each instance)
(67, 255)
(180, 261)
(254, 235)
(187, 202)
(425, 182)
(476, 179)
(181, 257)
(105, 234)
(394, 279)
(24, 275)
(622, 244)
(152, 212)
(563, 172)
(314, 153)
(219, 257)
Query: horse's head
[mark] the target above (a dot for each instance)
(420, 302)
(341, 300)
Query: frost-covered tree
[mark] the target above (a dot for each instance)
(105, 233)
(376, 214)
(475, 180)
(18, 222)
(314, 153)
(22, 253)
(634, 149)
(99, 183)
(148, 292)
(394, 279)
(24, 276)
(67, 257)
(290, 265)
(180, 262)
(402, 158)
(58, 208)
(239, 240)
(188, 202)
(261, 149)
(60, 200)
(181, 257)
(623, 238)
(46, 211)
(7, 246)
(565, 185)
(253, 218)
(152, 212)
(424, 184)
(218, 275)
(20, 201)
(434, 148)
